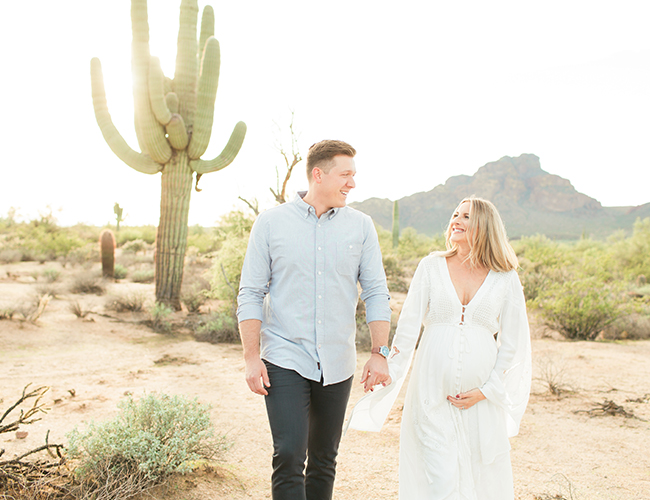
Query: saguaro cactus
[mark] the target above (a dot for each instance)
(118, 215)
(173, 121)
(107, 246)
(395, 224)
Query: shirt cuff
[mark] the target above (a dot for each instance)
(249, 311)
(378, 311)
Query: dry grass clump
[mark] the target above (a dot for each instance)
(88, 283)
(128, 302)
(216, 328)
(75, 308)
(553, 376)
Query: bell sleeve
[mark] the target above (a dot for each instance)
(370, 412)
(508, 385)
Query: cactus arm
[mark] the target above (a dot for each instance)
(171, 99)
(185, 75)
(227, 155)
(207, 28)
(151, 134)
(176, 132)
(115, 141)
(207, 93)
(157, 92)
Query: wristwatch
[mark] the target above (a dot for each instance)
(383, 350)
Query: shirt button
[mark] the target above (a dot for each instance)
(319, 273)
(319, 322)
(319, 248)
(350, 246)
(318, 225)
(319, 346)
(320, 296)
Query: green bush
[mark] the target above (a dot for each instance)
(134, 246)
(143, 276)
(150, 439)
(120, 272)
(51, 275)
(216, 328)
(159, 318)
(580, 309)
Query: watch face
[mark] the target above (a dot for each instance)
(384, 351)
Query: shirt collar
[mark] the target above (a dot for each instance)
(306, 209)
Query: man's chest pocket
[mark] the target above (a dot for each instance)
(348, 257)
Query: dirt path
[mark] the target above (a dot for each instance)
(90, 365)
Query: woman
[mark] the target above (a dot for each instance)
(472, 371)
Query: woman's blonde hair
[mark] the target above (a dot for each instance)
(487, 238)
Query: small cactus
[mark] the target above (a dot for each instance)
(107, 244)
(118, 215)
(395, 224)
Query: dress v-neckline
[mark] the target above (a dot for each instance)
(453, 288)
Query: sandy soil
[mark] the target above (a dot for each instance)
(90, 365)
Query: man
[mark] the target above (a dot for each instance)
(299, 292)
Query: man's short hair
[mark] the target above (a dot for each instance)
(322, 153)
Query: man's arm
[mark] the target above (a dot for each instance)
(376, 369)
(256, 375)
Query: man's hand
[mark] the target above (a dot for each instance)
(375, 372)
(257, 377)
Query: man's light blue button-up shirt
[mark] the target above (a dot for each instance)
(300, 280)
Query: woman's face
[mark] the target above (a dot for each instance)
(460, 224)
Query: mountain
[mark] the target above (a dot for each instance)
(529, 199)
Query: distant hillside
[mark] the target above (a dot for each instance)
(530, 200)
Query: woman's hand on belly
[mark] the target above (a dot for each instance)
(467, 399)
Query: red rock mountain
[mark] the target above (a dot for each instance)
(530, 200)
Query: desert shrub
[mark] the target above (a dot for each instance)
(205, 240)
(85, 254)
(52, 275)
(134, 246)
(394, 275)
(7, 312)
(88, 283)
(150, 439)
(633, 326)
(120, 272)
(225, 273)
(10, 255)
(143, 276)
(193, 298)
(581, 308)
(216, 328)
(48, 289)
(74, 306)
(130, 233)
(159, 318)
(128, 302)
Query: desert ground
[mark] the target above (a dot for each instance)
(567, 448)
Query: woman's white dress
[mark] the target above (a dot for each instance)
(447, 453)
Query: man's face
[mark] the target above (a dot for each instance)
(337, 183)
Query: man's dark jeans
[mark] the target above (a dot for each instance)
(306, 419)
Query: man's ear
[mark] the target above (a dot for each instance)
(317, 175)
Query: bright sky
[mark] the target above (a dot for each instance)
(424, 90)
